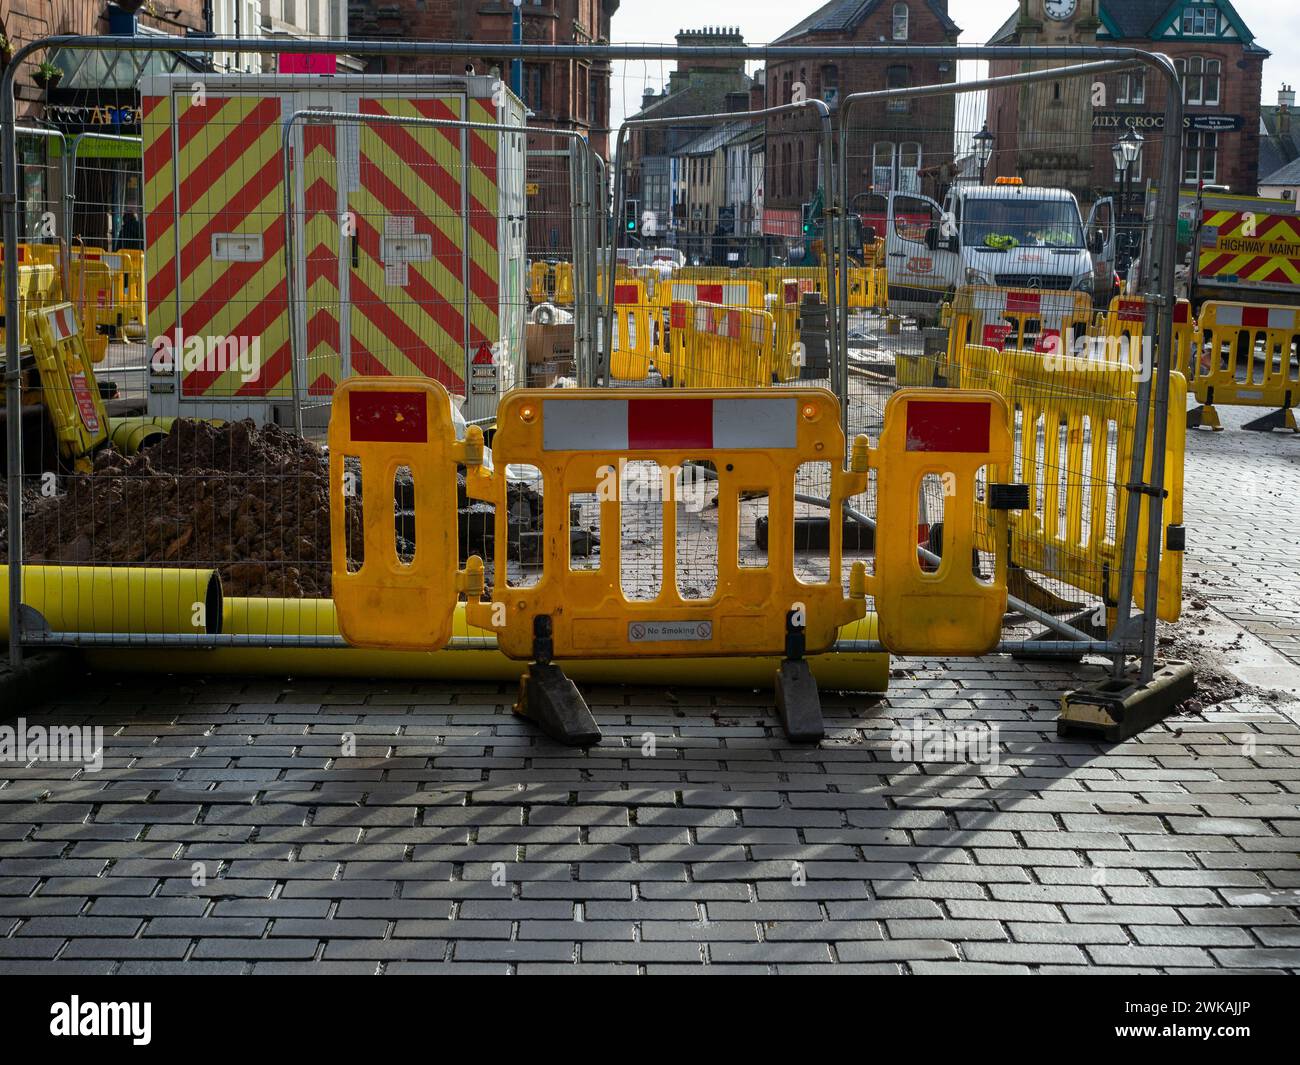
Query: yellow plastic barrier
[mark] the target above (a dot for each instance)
(725, 347)
(951, 436)
(787, 357)
(580, 441)
(37, 284)
(132, 302)
(1020, 319)
(1076, 420)
(68, 385)
(756, 440)
(1124, 329)
(564, 293)
(94, 293)
(1247, 357)
(380, 425)
(636, 337)
(727, 292)
(540, 282)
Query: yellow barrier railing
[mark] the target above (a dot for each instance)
(68, 387)
(725, 347)
(1247, 355)
(1074, 423)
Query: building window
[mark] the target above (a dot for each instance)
(1200, 157)
(898, 78)
(901, 14)
(1201, 21)
(1132, 88)
(533, 87)
(1201, 78)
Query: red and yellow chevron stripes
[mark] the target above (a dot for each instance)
(409, 318)
(323, 237)
(159, 212)
(1269, 256)
(484, 212)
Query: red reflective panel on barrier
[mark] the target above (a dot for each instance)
(670, 424)
(388, 417)
(936, 425)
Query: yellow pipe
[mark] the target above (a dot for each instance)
(128, 435)
(845, 671)
(119, 599)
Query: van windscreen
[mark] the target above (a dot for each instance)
(1016, 222)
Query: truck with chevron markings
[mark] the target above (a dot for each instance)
(403, 253)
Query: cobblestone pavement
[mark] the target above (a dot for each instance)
(228, 832)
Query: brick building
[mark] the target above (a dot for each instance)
(901, 145)
(658, 171)
(561, 93)
(1221, 67)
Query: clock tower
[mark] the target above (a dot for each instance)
(1055, 117)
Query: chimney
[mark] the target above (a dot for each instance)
(647, 96)
(737, 101)
(1286, 97)
(758, 90)
(1285, 102)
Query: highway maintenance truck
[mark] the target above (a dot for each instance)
(1243, 249)
(405, 257)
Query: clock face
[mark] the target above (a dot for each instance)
(1060, 10)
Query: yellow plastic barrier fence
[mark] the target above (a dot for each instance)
(950, 436)
(94, 292)
(787, 357)
(380, 426)
(1075, 420)
(868, 288)
(133, 290)
(68, 385)
(637, 324)
(1248, 355)
(580, 440)
(732, 292)
(37, 285)
(1124, 329)
(564, 294)
(540, 282)
(725, 347)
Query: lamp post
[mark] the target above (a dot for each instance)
(1125, 152)
(983, 149)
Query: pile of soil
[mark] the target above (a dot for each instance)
(251, 502)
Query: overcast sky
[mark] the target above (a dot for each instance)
(1275, 23)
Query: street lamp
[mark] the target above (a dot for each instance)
(983, 148)
(1125, 152)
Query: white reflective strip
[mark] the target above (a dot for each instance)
(989, 300)
(734, 295)
(584, 425)
(1281, 318)
(702, 318)
(754, 423)
(1227, 314)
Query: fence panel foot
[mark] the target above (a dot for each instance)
(1204, 417)
(1273, 420)
(1118, 709)
(552, 701)
(799, 703)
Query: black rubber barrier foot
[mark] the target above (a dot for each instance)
(799, 703)
(1277, 419)
(552, 701)
(1204, 418)
(1118, 709)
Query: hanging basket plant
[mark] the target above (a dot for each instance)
(47, 76)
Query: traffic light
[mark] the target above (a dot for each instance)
(631, 215)
(805, 211)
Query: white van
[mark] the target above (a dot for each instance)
(1005, 234)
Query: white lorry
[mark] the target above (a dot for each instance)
(1006, 234)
